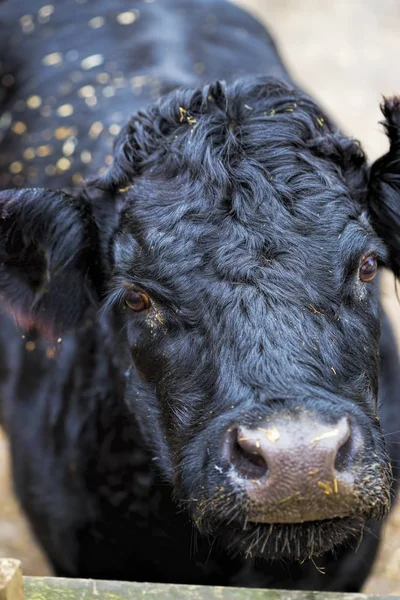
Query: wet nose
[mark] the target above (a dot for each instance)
(294, 469)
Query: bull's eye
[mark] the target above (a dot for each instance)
(137, 301)
(368, 268)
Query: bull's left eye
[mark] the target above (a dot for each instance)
(137, 301)
(368, 268)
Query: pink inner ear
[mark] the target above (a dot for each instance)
(26, 323)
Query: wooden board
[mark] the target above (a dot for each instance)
(50, 588)
(11, 585)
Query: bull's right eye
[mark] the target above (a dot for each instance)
(137, 301)
(368, 268)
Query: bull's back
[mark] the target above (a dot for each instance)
(73, 74)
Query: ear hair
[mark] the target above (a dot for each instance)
(384, 185)
(391, 111)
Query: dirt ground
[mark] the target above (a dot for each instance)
(346, 54)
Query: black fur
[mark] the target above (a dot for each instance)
(245, 215)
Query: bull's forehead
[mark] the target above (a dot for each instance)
(189, 238)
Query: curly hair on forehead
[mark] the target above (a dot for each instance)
(209, 132)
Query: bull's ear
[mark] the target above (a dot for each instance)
(51, 268)
(384, 186)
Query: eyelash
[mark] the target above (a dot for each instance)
(115, 300)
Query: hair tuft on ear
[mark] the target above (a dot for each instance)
(384, 185)
(390, 108)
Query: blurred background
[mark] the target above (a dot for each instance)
(345, 53)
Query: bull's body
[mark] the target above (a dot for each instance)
(83, 472)
(168, 45)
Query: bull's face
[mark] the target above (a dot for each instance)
(243, 270)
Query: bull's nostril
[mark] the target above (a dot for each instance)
(344, 446)
(343, 456)
(245, 458)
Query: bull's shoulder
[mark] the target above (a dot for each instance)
(389, 389)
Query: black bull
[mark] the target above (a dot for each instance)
(197, 377)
